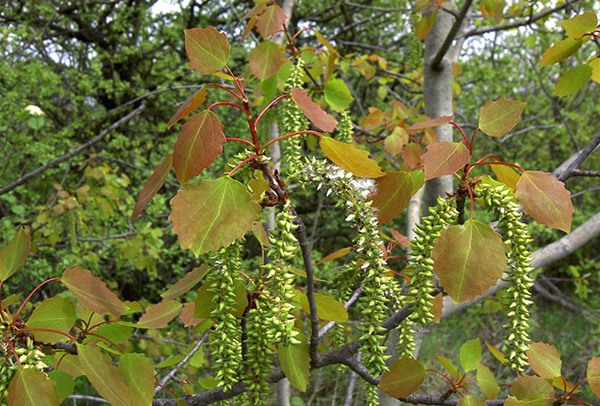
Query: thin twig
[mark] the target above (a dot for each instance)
(436, 62)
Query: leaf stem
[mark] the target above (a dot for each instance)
(237, 106)
(49, 330)
(28, 298)
(462, 133)
(231, 92)
(242, 140)
(282, 137)
(270, 105)
(244, 162)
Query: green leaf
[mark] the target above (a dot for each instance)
(186, 283)
(152, 186)
(337, 95)
(449, 367)
(469, 259)
(138, 375)
(544, 359)
(192, 103)
(487, 382)
(271, 21)
(560, 50)
(470, 401)
(396, 141)
(572, 80)
(295, 363)
(404, 377)
(207, 49)
(328, 308)
(56, 313)
(159, 315)
(393, 192)
(199, 142)
(595, 65)
(92, 292)
(444, 158)
(498, 118)
(578, 26)
(499, 355)
(470, 355)
(312, 111)
(64, 384)
(68, 364)
(117, 333)
(15, 253)
(103, 375)
(30, 387)
(536, 391)
(546, 199)
(266, 59)
(212, 214)
(350, 158)
(593, 375)
(506, 175)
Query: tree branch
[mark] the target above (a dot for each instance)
(566, 169)
(436, 62)
(72, 153)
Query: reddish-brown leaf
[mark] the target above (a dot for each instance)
(15, 253)
(412, 153)
(266, 59)
(103, 375)
(92, 292)
(312, 111)
(271, 21)
(207, 49)
(31, 388)
(199, 142)
(350, 158)
(544, 359)
(431, 123)
(192, 103)
(187, 315)
(404, 377)
(469, 259)
(152, 186)
(342, 252)
(444, 158)
(400, 238)
(160, 314)
(393, 192)
(186, 283)
(529, 386)
(374, 119)
(545, 199)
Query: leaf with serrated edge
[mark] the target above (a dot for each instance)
(212, 214)
(593, 375)
(393, 192)
(350, 158)
(498, 118)
(295, 363)
(199, 142)
(328, 308)
(469, 259)
(138, 375)
(527, 387)
(186, 283)
(152, 186)
(15, 253)
(470, 401)
(560, 50)
(396, 141)
(412, 153)
(470, 354)
(337, 95)
(582, 24)
(449, 367)
(31, 388)
(444, 158)
(103, 375)
(545, 199)
(207, 49)
(56, 313)
(404, 377)
(312, 111)
(499, 355)
(160, 314)
(342, 252)
(487, 382)
(92, 292)
(572, 80)
(187, 315)
(544, 359)
(271, 21)
(192, 103)
(266, 59)
(431, 123)
(506, 175)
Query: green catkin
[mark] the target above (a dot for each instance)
(370, 264)
(225, 342)
(442, 215)
(278, 273)
(501, 201)
(345, 128)
(292, 120)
